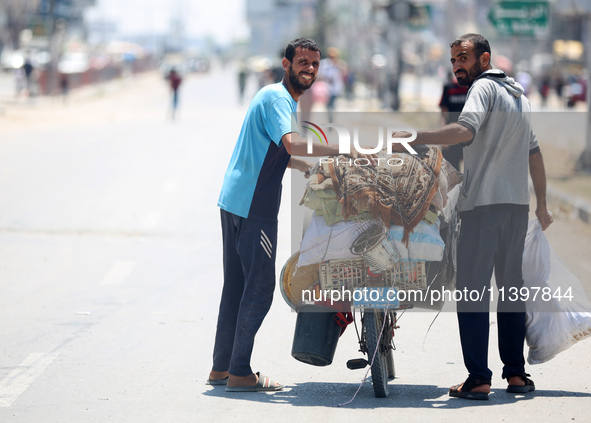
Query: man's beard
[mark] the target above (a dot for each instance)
(295, 82)
(473, 73)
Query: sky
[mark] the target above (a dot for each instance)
(224, 19)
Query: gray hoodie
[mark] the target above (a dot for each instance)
(496, 159)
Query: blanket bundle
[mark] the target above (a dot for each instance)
(400, 190)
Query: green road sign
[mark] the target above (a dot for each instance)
(521, 18)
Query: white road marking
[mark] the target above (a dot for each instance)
(119, 273)
(13, 385)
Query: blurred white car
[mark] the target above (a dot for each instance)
(11, 59)
(73, 62)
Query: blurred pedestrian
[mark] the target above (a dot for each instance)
(28, 69)
(242, 75)
(559, 83)
(451, 104)
(19, 81)
(350, 85)
(174, 81)
(525, 80)
(544, 88)
(64, 86)
(333, 71)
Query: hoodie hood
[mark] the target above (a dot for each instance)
(501, 78)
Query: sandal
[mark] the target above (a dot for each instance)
(217, 382)
(518, 389)
(467, 386)
(264, 384)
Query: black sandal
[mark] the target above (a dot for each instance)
(467, 386)
(517, 389)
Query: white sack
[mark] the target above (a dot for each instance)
(555, 325)
(322, 242)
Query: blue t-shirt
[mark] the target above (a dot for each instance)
(252, 184)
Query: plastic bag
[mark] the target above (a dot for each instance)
(559, 315)
(425, 242)
(323, 242)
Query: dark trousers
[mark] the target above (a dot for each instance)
(491, 240)
(249, 282)
(175, 99)
(454, 154)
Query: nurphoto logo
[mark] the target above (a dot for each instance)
(318, 129)
(344, 138)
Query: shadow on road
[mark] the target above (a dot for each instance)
(319, 394)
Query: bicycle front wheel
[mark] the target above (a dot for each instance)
(373, 321)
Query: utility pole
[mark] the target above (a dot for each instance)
(321, 24)
(398, 13)
(584, 161)
(57, 28)
(51, 71)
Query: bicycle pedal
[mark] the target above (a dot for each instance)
(357, 363)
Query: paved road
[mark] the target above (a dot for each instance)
(110, 268)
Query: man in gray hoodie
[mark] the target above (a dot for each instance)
(494, 128)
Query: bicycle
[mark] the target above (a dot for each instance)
(379, 319)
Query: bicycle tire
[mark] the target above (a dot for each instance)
(373, 320)
(389, 333)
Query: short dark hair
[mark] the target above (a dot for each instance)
(304, 43)
(480, 43)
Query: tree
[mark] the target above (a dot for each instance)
(17, 13)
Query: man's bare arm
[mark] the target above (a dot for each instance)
(301, 165)
(538, 176)
(298, 146)
(451, 134)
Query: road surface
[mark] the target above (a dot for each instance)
(110, 269)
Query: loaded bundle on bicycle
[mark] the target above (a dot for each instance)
(380, 237)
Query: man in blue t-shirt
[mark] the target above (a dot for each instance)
(249, 204)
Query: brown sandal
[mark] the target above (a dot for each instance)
(518, 389)
(467, 386)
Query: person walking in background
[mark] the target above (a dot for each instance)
(451, 104)
(28, 69)
(174, 81)
(493, 207)
(19, 81)
(333, 71)
(242, 76)
(544, 88)
(525, 80)
(559, 83)
(64, 86)
(350, 85)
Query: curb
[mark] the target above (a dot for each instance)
(85, 92)
(580, 209)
